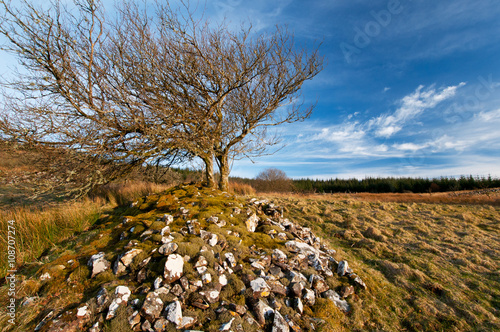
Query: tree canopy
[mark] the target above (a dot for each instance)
(145, 87)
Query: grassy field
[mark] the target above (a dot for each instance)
(431, 261)
(429, 266)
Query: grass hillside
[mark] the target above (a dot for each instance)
(429, 266)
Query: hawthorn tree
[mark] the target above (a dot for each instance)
(150, 87)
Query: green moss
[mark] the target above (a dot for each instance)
(191, 249)
(119, 322)
(232, 289)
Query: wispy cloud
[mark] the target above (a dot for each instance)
(386, 125)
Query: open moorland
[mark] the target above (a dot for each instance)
(431, 262)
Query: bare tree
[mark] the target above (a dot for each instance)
(233, 85)
(150, 88)
(71, 95)
(273, 179)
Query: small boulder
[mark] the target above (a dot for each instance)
(173, 268)
(168, 248)
(98, 263)
(335, 298)
(173, 312)
(260, 288)
(252, 223)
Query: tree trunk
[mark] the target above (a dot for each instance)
(209, 172)
(224, 172)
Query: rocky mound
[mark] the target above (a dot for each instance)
(191, 259)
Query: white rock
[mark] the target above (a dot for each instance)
(82, 311)
(99, 264)
(279, 256)
(335, 298)
(186, 322)
(165, 230)
(167, 218)
(206, 278)
(260, 287)
(157, 282)
(201, 270)
(173, 268)
(168, 248)
(45, 276)
(252, 223)
(279, 323)
(230, 259)
(202, 261)
(301, 248)
(309, 297)
(342, 268)
(127, 258)
(223, 280)
(122, 293)
(173, 312)
(167, 239)
(227, 326)
(299, 306)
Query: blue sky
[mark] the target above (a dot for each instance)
(410, 87)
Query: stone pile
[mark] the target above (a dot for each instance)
(271, 288)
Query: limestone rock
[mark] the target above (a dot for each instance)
(127, 258)
(279, 256)
(134, 319)
(279, 323)
(301, 248)
(168, 219)
(277, 287)
(262, 311)
(309, 297)
(335, 298)
(226, 326)
(152, 307)
(252, 223)
(209, 238)
(230, 259)
(160, 325)
(346, 291)
(173, 268)
(168, 248)
(318, 283)
(298, 305)
(98, 263)
(173, 312)
(187, 322)
(342, 268)
(122, 293)
(211, 295)
(260, 287)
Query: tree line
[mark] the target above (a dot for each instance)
(274, 180)
(396, 185)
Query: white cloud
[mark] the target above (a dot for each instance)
(489, 116)
(409, 146)
(343, 133)
(386, 125)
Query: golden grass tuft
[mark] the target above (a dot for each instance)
(37, 229)
(241, 189)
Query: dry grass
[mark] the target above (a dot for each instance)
(429, 266)
(461, 197)
(241, 189)
(39, 228)
(124, 192)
